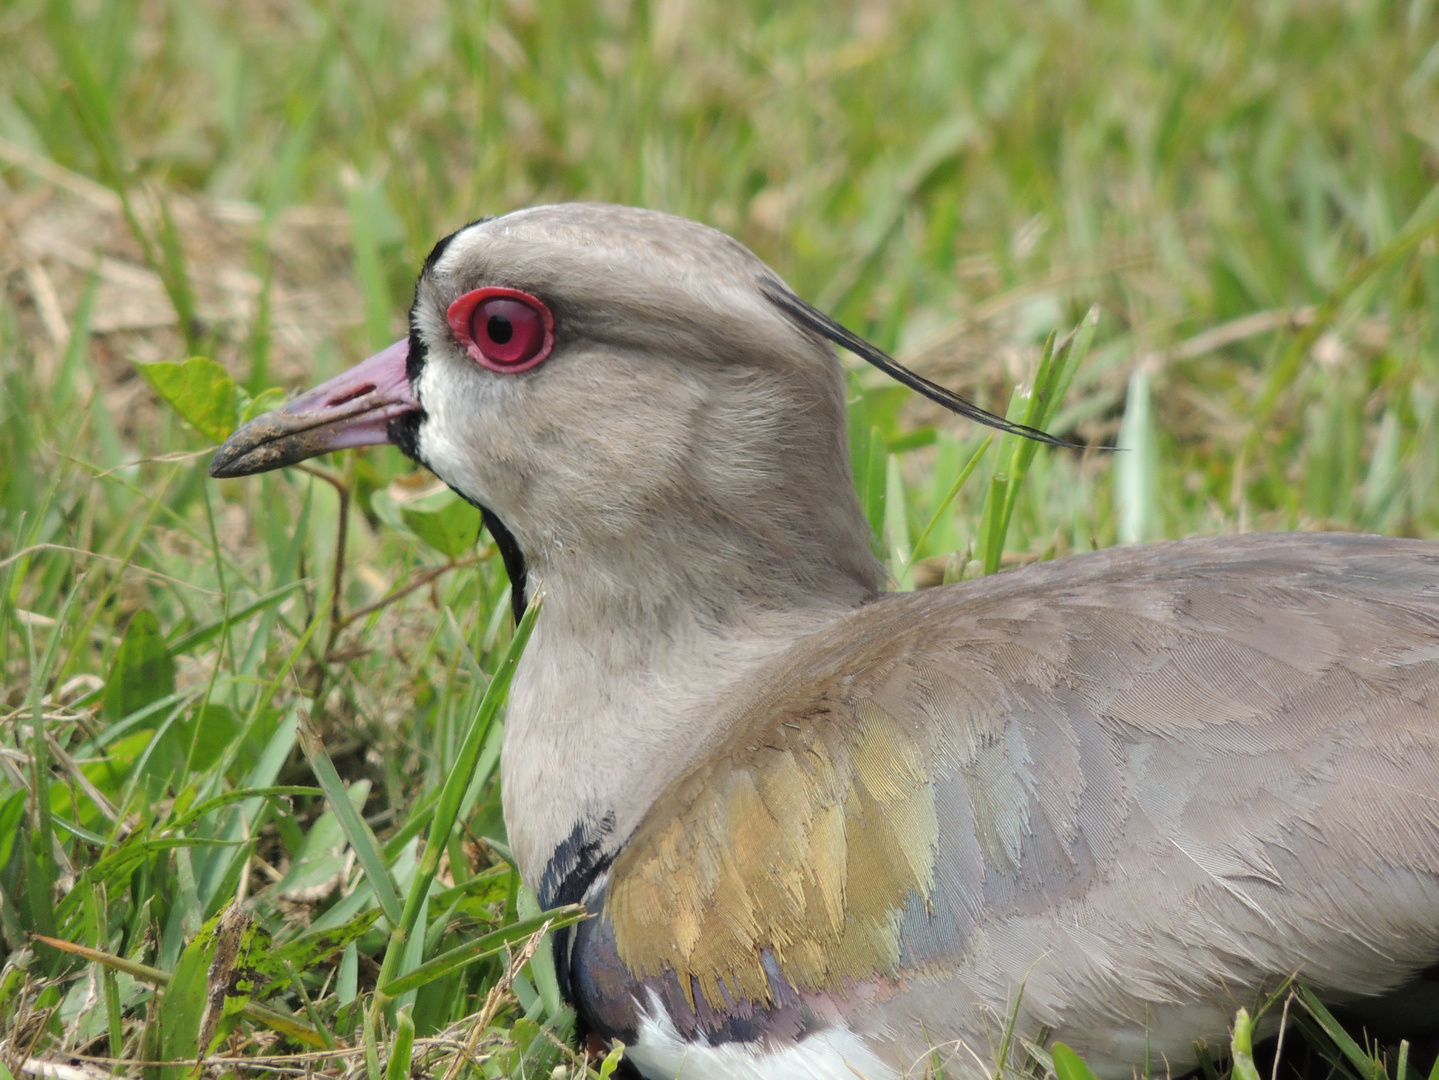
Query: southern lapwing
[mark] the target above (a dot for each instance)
(829, 832)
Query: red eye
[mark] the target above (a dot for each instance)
(503, 329)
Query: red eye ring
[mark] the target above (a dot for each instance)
(505, 330)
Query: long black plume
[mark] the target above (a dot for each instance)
(826, 327)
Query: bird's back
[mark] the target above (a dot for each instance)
(1143, 783)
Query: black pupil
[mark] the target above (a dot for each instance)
(500, 329)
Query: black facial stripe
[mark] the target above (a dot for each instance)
(514, 560)
(438, 251)
(404, 432)
(419, 351)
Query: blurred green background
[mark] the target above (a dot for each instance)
(1246, 191)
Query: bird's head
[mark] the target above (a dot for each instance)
(621, 393)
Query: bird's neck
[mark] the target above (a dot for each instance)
(633, 666)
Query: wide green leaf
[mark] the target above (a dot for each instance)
(444, 521)
(182, 1006)
(1070, 1066)
(200, 390)
(269, 399)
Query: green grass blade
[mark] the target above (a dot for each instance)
(361, 839)
(954, 490)
(896, 527)
(1241, 1047)
(992, 525)
(1136, 466)
(398, 1065)
(241, 795)
(542, 964)
(1364, 1063)
(488, 945)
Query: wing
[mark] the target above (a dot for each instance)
(1099, 774)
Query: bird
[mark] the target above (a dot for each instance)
(824, 830)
